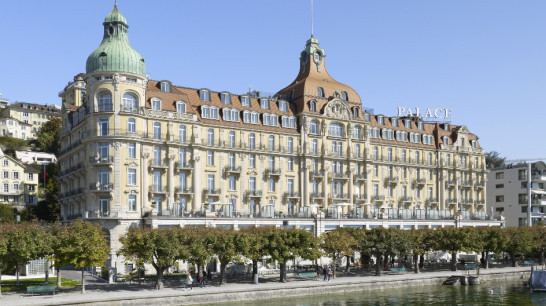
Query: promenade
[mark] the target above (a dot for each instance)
(99, 293)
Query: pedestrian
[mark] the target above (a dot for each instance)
(325, 273)
(189, 282)
(329, 273)
(209, 276)
(318, 271)
(202, 281)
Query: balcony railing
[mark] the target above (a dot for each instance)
(319, 173)
(340, 175)
(467, 183)
(451, 182)
(361, 177)
(158, 189)
(420, 181)
(101, 187)
(378, 198)
(254, 193)
(432, 200)
(292, 194)
(187, 165)
(184, 190)
(451, 201)
(406, 199)
(467, 201)
(274, 172)
(212, 192)
(233, 169)
(360, 197)
(102, 160)
(154, 163)
(339, 196)
(317, 195)
(392, 180)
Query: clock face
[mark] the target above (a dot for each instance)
(317, 57)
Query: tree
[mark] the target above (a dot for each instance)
(48, 138)
(226, 246)
(376, 243)
(492, 242)
(493, 160)
(7, 213)
(285, 244)
(83, 245)
(419, 245)
(199, 246)
(338, 243)
(539, 242)
(519, 240)
(160, 247)
(4, 233)
(253, 242)
(453, 240)
(11, 145)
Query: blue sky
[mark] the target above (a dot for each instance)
(484, 59)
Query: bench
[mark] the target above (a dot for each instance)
(308, 275)
(528, 262)
(398, 270)
(42, 289)
(470, 266)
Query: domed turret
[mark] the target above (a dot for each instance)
(115, 54)
(314, 83)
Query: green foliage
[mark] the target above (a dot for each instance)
(46, 211)
(11, 285)
(519, 240)
(227, 246)
(12, 144)
(494, 160)
(7, 213)
(48, 138)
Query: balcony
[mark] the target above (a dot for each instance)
(99, 160)
(467, 201)
(317, 195)
(391, 180)
(212, 192)
(129, 109)
(432, 200)
(254, 193)
(482, 202)
(184, 190)
(360, 197)
(451, 182)
(317, 174)
(378, 198)
(406, 199)
(233, 169)
(186, 166)
(273, 172)
(467, 183)
(158, 189)
(480, 184)
(420, 181)
(339, 196)
(101, 187)
(335, 154)
(451, 201)
(340, 176)
(361, 177)
(539, 177)
(158, 164)
(292, 195)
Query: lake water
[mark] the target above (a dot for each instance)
(496, 293)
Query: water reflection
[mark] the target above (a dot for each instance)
(511, 292)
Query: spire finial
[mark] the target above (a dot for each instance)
(311, 18)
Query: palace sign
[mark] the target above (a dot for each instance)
(433, 113)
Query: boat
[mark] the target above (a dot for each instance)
(537, 280)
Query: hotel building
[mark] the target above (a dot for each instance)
(144, 152)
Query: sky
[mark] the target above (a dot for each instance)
(483, 59)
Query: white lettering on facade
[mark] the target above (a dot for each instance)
(443, 113)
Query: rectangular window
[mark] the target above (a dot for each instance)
(290, 165)
(131, 150)
(210, 182)
(131, 202)
(252, 184)
(231, 181)
(210, 158)
(5, 174)
(131, 176)
(252, 161)
(271, 185)
(498, 186)
(499, 175)
(31, 176)
(245, 101)
(522, 174)
(290, 148)
(290, 185)
(15, 175)
(499, 198)
(522, 198)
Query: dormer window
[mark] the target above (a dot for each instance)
(356, 112)
(283, 106)
(225, 98)
(394, 122)
(446, 127)
(313, 106)
(231, 114)
(446, 140)
(181, 107)
(344, 96)
(320, 92)
(474, 144)
(204, 95)
(156, 104)
(264, 103)
(165, 87)
(420, 126)
(407, 123)
(245, 100)
(380, 120)
(367, 116)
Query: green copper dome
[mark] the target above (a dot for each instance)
(115, 54)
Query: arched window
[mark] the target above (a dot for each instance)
(105, 102)
(181, 107)
(320, 92)
(344, 96)
(313, 106)
(204, 95)
(129, 103)
(271, 143)
(336, 129)
(157, 130)
(131, 125)
(210, 137)
(356, 112)
(225, 98)
(165, 87)
(314, 146)
(252, 141)
(182, 133)
(231, 138)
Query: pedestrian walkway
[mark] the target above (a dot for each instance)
(270, 287)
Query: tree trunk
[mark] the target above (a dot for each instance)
(453, 261)
(254, 271)
(411, 260)
(378, 266)
(487, 260)
(334, 259)
(0, 282)
(199, 271)
(223, 266)
(47, 272)
(283, 272)
(348, 265)
(513, 259)
(541, 261)
(416, 268)
(422, 261)
(386, 263)
(159, 280)
(83, 282)
(17, 274)
(59, 277)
